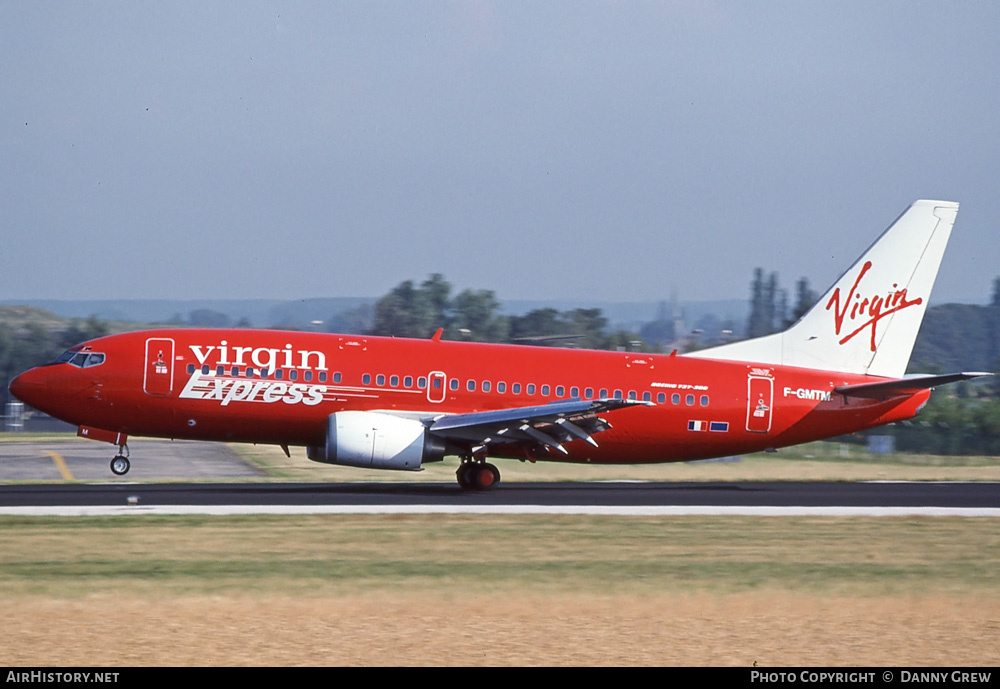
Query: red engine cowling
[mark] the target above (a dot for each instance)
(373, 440)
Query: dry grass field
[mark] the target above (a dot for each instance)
(508, 590)
(484, 590)
(488, 628)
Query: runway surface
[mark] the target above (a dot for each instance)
(778, 498)
(96, 493)
(87, 460)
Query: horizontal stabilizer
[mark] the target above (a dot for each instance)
(903, 386)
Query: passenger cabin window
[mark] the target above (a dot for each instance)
(366, 379)
(545, 390)
(531, 388)
(380, 379)
(501, 387)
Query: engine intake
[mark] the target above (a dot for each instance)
(374, 440)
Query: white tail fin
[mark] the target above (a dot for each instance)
(868, 321)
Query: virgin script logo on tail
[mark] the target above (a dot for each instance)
(865, 312)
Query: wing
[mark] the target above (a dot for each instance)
(547, 425)
(885, 389)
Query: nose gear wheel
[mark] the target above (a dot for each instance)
(120, 464)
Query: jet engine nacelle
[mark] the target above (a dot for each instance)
(374, 440)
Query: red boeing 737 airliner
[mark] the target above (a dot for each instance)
(393, 403)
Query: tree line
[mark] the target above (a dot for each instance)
(411, 310)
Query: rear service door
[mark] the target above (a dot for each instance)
(158, 376)
(760, 392)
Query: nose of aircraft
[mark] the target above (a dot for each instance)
(57, 390)
(29, 387)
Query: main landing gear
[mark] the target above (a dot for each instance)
(473, 475)
(120, 464)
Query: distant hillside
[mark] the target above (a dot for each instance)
(20, 319)
(261, 313)
(17, 318)
(300, 313)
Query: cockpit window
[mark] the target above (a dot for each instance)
(74, 357)
(66, 356)
(95, 359)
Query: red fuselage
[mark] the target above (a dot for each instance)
(280, 388)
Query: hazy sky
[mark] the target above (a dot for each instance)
(544, 150)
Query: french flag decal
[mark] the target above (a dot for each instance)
(697, 425)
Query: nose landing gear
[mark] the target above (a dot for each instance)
(120, 464)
